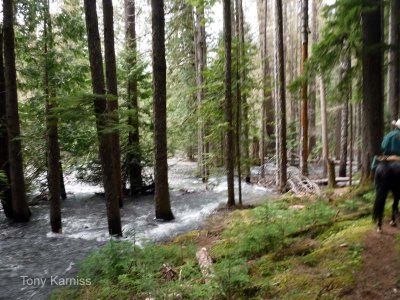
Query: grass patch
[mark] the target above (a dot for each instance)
(258, 253)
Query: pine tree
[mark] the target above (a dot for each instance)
(372, 75)
(134, 154)
(21, 212)
(112, 90)
(304, 89)
(5, 190)
(280, 102)
(229, 137)
(53, 149)
(102, 115)
(161, 195)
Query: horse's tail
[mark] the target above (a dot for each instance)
(382, 191)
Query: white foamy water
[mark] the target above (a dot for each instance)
(31, 250)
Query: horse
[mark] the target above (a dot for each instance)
(387, 178)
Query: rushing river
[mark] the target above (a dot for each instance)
(31, 250)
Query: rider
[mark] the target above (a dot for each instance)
(391, 143)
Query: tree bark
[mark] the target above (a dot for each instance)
(304, 93)
(346, 93)
(324, 126)
(162, 200)
(112, 90)
(5, 188)
(267, 110)
(21, 212)
(239, 84)
(394, 60)
(101, 111)
(313, 84)
(201, 62)
(280, 92)
(338, 132)
(53, 148)
(245, 114)
(134, 154)
(372, 74)
(229, 149)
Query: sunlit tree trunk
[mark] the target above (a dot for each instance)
(372, 75)
(324, 126)
(134, 155)
(5, 188)
(229, 137)
(280, 102)
(161, 196)
(313, 84)
(102, 115)
(53, 148)
(21, 212)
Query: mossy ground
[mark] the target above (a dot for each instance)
(289, 248)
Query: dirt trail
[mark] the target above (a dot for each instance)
(380, 275)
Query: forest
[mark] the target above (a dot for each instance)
(198, 149)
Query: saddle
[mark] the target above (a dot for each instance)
(388, 158)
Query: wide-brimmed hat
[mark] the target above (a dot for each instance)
(396, 123)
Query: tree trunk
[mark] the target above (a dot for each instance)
(201, 62)
(229, 149)
(343, 138)
(280, 92)
(245, 114)
(313, 85)
(324, 126)
(372, 107)
(267, 110)
(134, 155)
(239, 84)
(102, 116)
(359, 135)
(53, 148)
(394, 60)
(5, 188)
(112, 90)
(62, 184)
(21, 212)
(163, 206)
(351, 144)
(338, 132)
(304, 92)
(346, 93)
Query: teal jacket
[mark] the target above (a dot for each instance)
(390, 145)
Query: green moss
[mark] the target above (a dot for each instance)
(256, 256)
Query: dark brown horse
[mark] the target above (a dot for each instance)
(387, 178)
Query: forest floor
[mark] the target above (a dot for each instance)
(289, 247)
(380, 274)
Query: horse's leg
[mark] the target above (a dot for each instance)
(382, 191)
(395, 207)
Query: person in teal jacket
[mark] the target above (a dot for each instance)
(390, 144)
